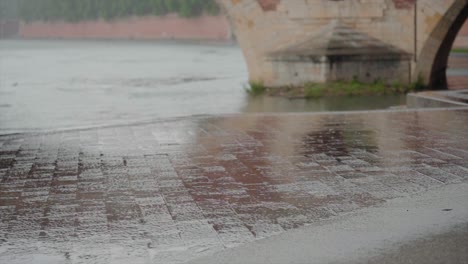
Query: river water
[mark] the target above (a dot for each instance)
(50, 85)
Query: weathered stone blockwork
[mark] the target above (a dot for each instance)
(404, 4)
(304, 70)
(268, 5)
(327, 57)
(419, 28)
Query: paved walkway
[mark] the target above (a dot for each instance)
(171, 191)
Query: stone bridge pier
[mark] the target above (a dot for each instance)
(292, 42)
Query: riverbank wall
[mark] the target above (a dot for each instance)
(171, 26)
(461, 42)
(150, 27)
(9, 28)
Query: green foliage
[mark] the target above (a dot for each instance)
(74, 10)
(460, 50)
(315, 90)
(336, 88)
(255, 88)
(356, 88)
(378, 87)
(418, 85)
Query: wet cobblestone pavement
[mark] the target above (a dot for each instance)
(171, 191)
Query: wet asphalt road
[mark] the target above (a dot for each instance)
(171, 191)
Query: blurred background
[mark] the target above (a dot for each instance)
(68, 64)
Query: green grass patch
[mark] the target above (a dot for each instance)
(255, 88)
(460, 50)
(418, 85)
(337, 88)
(356, 88)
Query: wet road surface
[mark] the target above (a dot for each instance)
(171, 191)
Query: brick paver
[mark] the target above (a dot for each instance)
(170, 191)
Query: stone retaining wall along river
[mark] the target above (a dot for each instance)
(462, 39)
(166, 27)
(8, 28)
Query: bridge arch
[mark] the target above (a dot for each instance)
(434, 55)
(418, 33)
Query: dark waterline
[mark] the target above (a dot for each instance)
(345, 103)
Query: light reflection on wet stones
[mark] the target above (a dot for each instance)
(172, 191)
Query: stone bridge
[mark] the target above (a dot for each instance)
(291, 42)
